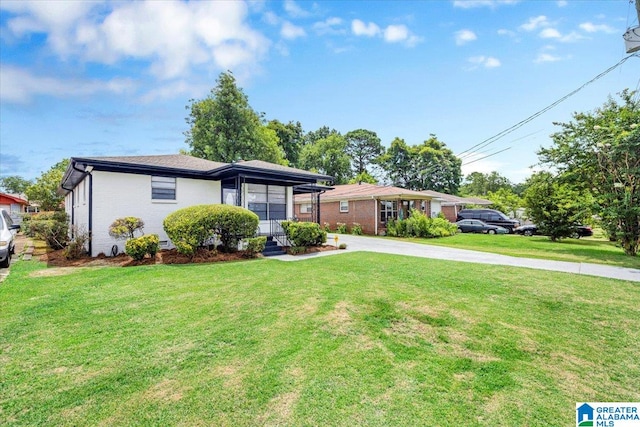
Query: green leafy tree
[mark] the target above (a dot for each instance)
(364, 148)
(290, 139)
(397, 163)
(328, 156)
(505, 200)
(365, 177)
(14, 184)
(555, 206)
(44, 191)
(429, 166)
(224, 127)
(599, 152)
(322, 133)
(480, 184)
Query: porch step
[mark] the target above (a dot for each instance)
(271, 248)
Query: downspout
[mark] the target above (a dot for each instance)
(375, 215)
(90, 231)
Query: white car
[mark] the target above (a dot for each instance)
(8, 232)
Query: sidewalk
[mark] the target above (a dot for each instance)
(380, 245)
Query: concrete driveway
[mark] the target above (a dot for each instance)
(388, 246)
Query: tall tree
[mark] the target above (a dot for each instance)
(291, 139)
(328, 156)
(322, 133)
(397, 163)
(480, 184)
(14, 184)
(599, 151)
(429, 166)
(225, 128)
(44, 190)
(555, 206)
(505, 200)
(364, 148)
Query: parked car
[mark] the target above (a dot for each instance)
(8, 232)
(477, 226)
(489, 216)
(531, 229)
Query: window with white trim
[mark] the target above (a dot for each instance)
(305, 208)
(163, 188)
(344, 206)
(388, 210)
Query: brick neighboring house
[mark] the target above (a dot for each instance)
(451, 205)
(369, 205)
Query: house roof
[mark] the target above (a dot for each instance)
(13, 199)
(367, 191)
(181, 165)
(450, 199)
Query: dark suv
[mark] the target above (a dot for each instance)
(489, 216)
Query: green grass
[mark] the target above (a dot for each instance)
(354, 339)
(591, 250)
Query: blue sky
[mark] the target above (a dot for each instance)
(93, 78)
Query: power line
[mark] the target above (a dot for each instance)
(489, 155)
(518, 125)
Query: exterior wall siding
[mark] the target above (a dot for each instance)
(360, 211)
(117, 195)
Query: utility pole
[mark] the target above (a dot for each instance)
(632, 35)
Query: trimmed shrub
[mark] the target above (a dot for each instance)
(52, 227)
(196, 226)
(342, 246)
(341, 228)
(125, 228)
(304, 233)
(356, 229)
(297, 250)
(419, 225)
(138, 247)
(255, 245)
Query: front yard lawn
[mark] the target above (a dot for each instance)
(355, 339)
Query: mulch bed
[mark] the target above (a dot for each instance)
(171, 256)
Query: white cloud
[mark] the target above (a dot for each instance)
(465, 36)
(485, 61)
(400, 34)
(547, 57)
(295, 11)
(550, 33)
(20, 86)
(290, 31)
(596, 28)
(468, 4)
(359, 28)
(534, 23)
(331, 25)
(505, 32)
(173, 35)
(474, 162)
(562, 3)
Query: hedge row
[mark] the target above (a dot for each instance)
(304, 233)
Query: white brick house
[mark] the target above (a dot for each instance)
(99, 190)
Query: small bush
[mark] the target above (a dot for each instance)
(342, 246)
(341, 228)
(297, 250)
(138, 247)
(196, 226)
(52, 227)
(304, 233)
(125, 228)
(76, 248)
(356, 229)
(327, 227)
(255, 245)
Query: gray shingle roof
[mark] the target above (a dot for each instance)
(173, 161)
